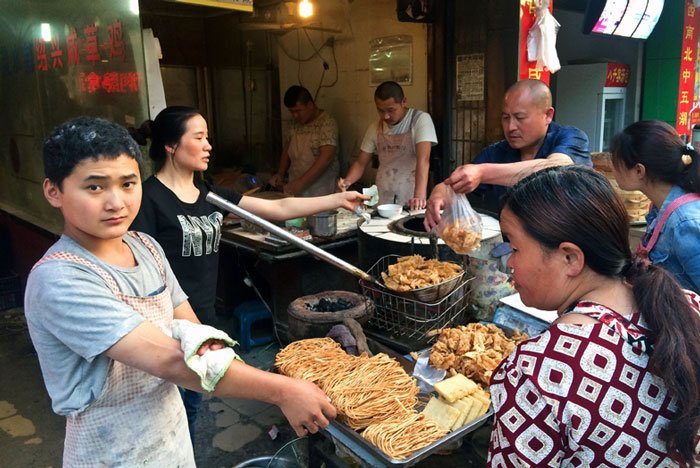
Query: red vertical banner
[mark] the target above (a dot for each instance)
(527, 19)
(686, 85)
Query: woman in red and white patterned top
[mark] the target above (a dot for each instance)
(615, 381)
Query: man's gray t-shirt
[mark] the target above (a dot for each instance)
(74, 317)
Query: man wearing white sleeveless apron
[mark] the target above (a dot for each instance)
(402, 138)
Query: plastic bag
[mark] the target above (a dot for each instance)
(541, 40)
(490, 284)
(460, 226)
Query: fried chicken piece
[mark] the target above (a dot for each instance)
(474, 350)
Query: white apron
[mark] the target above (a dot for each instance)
(139, 419)
(302, 158)
(396, 175)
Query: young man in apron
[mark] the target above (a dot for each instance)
(310, 152)
(100, 305)
(402, 138)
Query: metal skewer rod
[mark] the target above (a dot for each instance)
(292, 239)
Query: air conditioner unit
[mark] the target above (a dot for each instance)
(238, 5)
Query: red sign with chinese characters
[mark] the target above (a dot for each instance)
(618, 75)
(87, 45)
(689, 50)
(527, 19)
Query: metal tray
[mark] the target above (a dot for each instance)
(374, 456)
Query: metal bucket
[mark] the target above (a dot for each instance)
(323, 224)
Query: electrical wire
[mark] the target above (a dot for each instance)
(289, 56)
(335, 66)
(316, 53)
(320, 83)
(299, 63)
(311, 43)
(249, 282)
(325, 64)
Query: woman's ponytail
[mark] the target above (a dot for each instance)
(675, 327)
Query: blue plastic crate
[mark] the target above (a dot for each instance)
(247, 314)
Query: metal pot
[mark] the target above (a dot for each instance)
(323, 224)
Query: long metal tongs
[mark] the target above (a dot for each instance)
(291, 238)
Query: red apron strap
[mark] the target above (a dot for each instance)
(644, 249)
(70, 257)
(149, 245)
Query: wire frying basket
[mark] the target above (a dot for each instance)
(409, 318)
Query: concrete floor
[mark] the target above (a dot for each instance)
(228, 431)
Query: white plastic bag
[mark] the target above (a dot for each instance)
(542, 38)
(460, 226)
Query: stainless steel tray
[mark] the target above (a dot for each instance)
(374, 456)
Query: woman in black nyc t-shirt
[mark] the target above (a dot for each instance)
(175, 212)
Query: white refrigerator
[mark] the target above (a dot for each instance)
(584, 101)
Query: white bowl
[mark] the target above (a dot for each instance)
(389, 210)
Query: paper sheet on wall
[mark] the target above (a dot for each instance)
(470, 77)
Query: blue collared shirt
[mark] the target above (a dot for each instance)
(677, 249)
(570, 141)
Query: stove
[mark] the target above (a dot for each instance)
(405, 235)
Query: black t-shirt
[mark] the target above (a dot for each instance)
(189, 234)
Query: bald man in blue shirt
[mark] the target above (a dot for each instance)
(532, 142)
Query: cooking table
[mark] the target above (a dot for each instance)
(281, 271)
(273, 249)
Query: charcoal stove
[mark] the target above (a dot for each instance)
(306, 321)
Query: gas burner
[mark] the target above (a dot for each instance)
(407, 236)
(411, 225)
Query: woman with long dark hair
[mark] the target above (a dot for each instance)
(174, 210)
(615, 380)
(649, 156)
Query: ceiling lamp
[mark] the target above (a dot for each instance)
(306, 8)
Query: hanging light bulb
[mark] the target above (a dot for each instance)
(46, 32)
(306, 8)
(134, 6)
